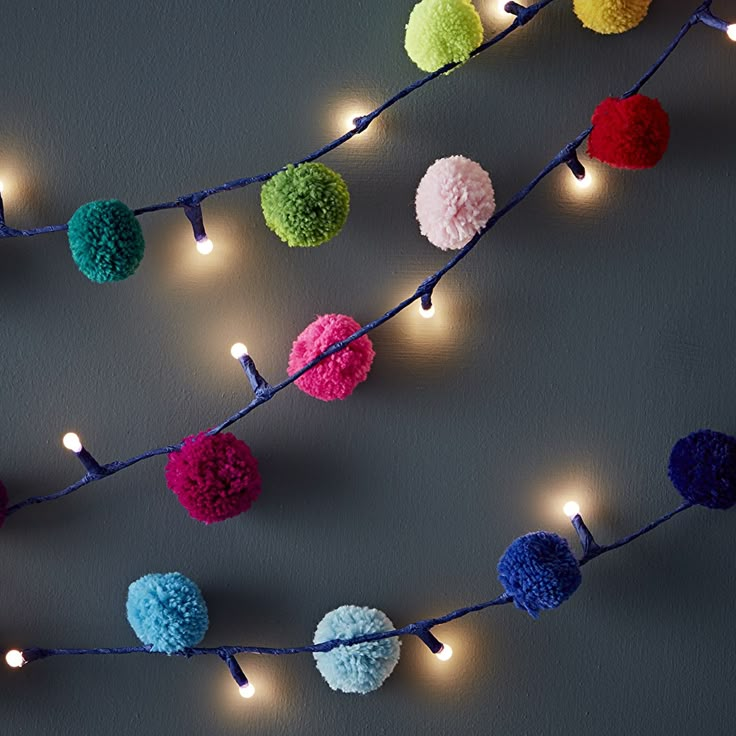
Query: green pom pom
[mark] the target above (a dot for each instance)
(441, 31)
(305, 205)
(106, 240)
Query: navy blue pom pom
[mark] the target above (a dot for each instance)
(703, 468)
(539, 572)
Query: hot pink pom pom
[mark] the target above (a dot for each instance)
(3, 504)
(454, 200)
(214, 478)
(337, 376)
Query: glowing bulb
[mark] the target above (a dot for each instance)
(571, 508)
(445, 653)
(2, 186)
(585, 182)
(238, 350)
(501, 6)
(247, 691)
(730, 32)
(205, 246)
(14, 658)
(350, 119)
(72, 442)
(426, 313)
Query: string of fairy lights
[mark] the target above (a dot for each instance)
(538, 571)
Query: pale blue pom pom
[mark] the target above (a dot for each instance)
(358, 668)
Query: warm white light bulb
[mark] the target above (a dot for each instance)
(205, 247)
(731, 31)
(426, 313)
(238, 350)
(501, 5)
(350, 119)
(247, 691)
(2, 186)
(584, 183)
(14, 658)
(445, 653)
(72, 442)
(571, 508)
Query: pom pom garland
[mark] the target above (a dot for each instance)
(630, 133)
(306, 205)
(703, 469)
(215, 477)
(442, 31)
(611, 16)
(167, 612)
(358, 668)
(539, 572)
(106, 241)
(337, 376)
(454, 201)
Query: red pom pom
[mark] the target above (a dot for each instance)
(629, 134)
(3, 504)
(337, 376)
(214, 477)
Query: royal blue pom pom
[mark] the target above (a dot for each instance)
(539, 572)
(167, 612)
(703, 468)
(359, 668)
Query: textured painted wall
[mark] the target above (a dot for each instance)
(573, 347)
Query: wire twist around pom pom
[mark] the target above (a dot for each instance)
(106, 240)
(215, 477)
(356, 668)
(337, 376)
(167, 612)
(703, 469)
(539, 572)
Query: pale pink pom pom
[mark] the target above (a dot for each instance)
(454, 200)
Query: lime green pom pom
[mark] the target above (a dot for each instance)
(106, 240)
(441, 31)
(305, 205)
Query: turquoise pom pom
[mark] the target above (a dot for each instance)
(106, 240)
(358, 668)
(167, 612)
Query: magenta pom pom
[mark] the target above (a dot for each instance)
(337, 376)
(454, 201)
(3, 504)
(214, 477)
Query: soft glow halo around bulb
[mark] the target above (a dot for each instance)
(72, 442)
(731, 31)
(15, 659)
(2, 186)
(571, 509)
(445, 653)
(205, 247)
(238, 350)
(247, 691)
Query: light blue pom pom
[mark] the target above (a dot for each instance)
(359, 668)
(167, 612)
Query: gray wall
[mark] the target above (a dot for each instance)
(570, 350)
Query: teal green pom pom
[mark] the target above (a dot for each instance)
(442, 31)
(167, 612)
(305, 205)
(106, 240)
(358, 668)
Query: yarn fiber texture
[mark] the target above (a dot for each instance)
(106, 240)
(358, 668)
(611, 16)
(167, 612)
(703, 468)
(3, 504)
(305, 205)
(337, 376)
(454, 201)
(539, 572)
(214, 477)
(629, 134)
(442, 31)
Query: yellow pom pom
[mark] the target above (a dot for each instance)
(611, 16)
